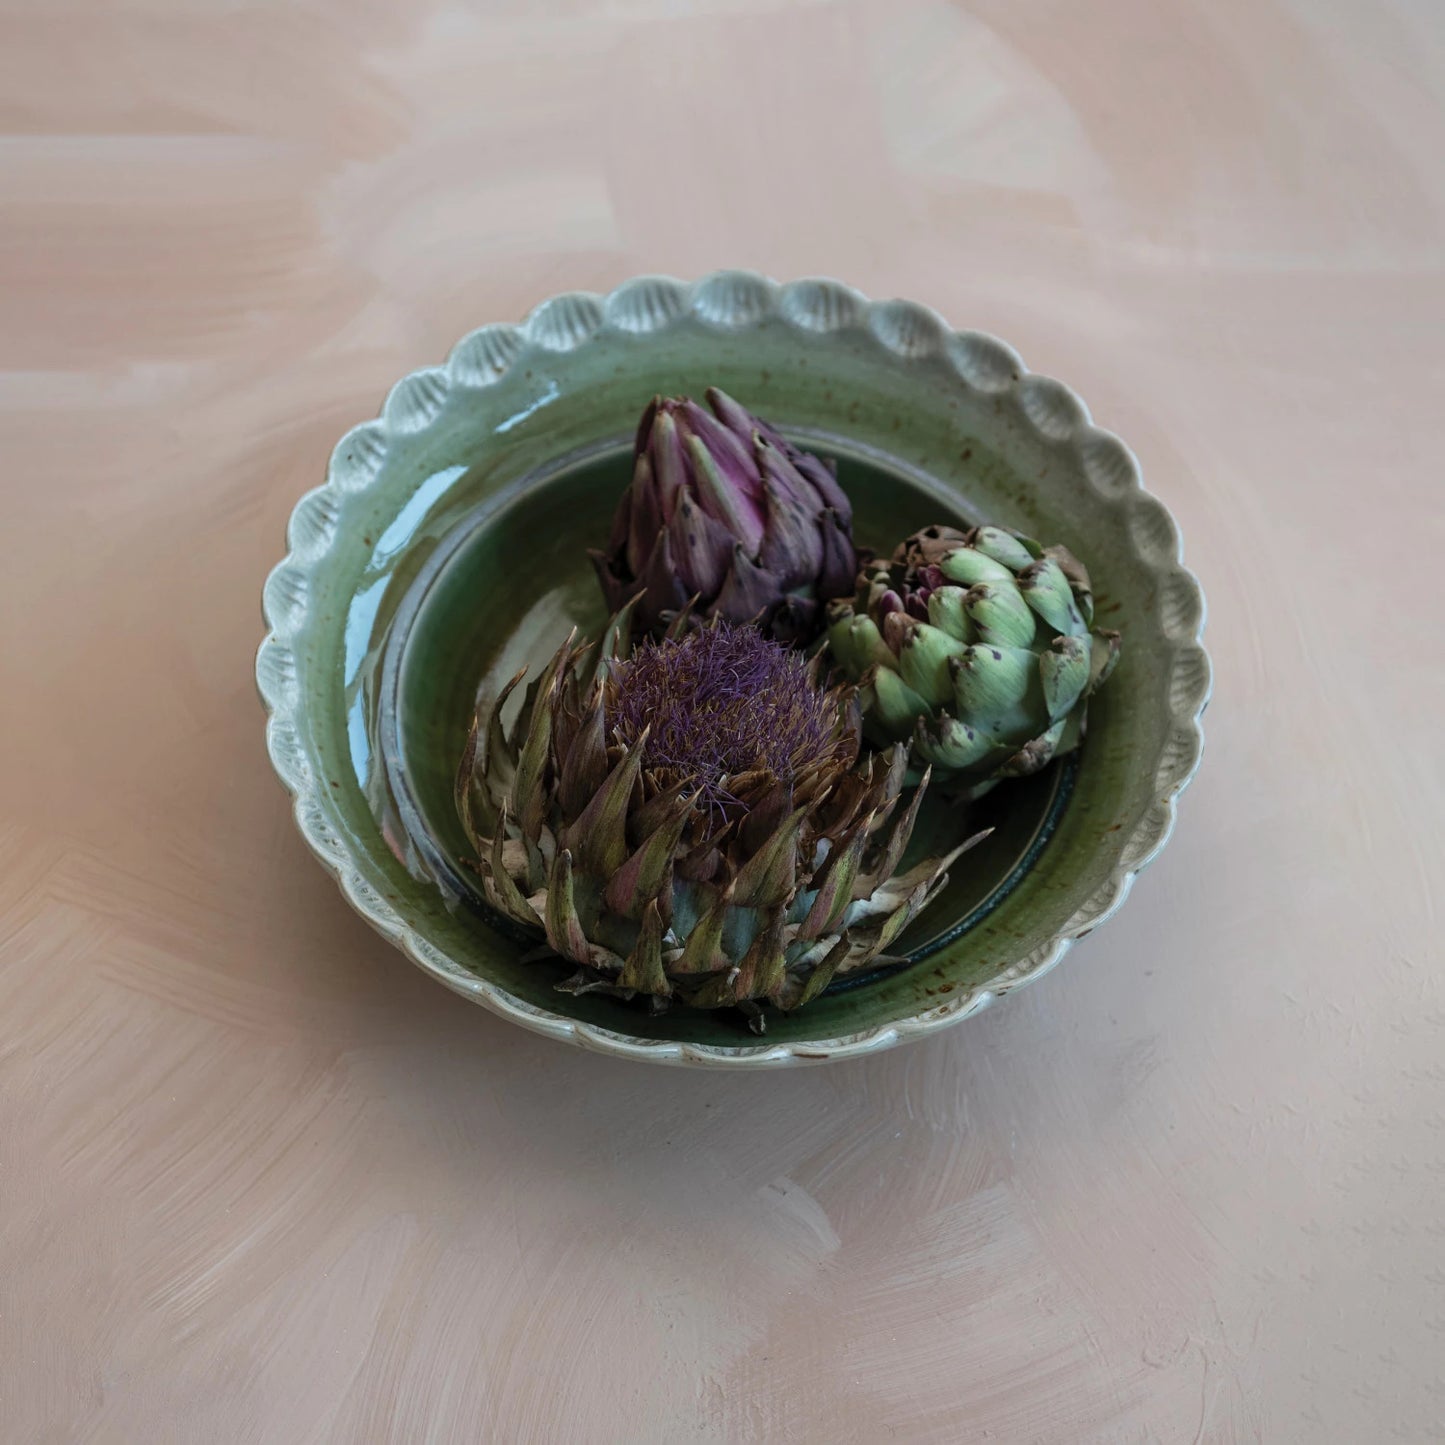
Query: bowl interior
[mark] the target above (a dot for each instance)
(449, 549)
(474, 616)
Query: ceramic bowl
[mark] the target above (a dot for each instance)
(447, 547)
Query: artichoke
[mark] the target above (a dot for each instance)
(976, 646)
(725, 514)
(691, 821)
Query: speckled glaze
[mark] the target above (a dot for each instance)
(954, 411)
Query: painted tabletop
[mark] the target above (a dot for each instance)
(262, 1181)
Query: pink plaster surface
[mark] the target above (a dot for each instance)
(261, 1181)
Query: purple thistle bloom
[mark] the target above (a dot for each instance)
(722, 701)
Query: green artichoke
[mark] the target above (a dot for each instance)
(724, 514)
(692, 821)
(976, 646)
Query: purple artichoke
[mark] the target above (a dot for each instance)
(724, 510)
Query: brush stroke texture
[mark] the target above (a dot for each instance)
(262, 1182)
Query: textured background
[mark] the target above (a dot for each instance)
(260, 1181)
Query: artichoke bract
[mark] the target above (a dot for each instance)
(724, 514)
(691, 821)
(978, 647)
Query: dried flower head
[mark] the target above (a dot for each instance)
(692, 820)
(722, 702)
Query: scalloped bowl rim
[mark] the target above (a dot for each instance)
(731, 300)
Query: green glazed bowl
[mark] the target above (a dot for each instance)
(448, 548)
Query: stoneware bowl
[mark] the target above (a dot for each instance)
(448, 547)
